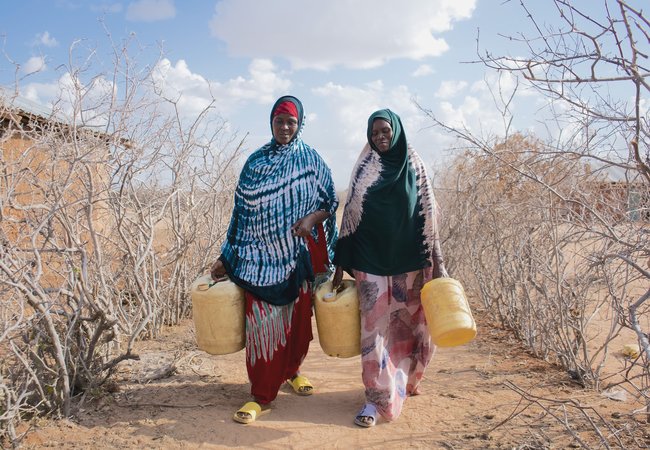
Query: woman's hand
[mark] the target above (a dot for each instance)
(217, 271)
(338, 277)
(302, 228)
(439, 270)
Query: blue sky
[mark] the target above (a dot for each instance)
(343, 58)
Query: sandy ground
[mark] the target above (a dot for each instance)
(468, 401)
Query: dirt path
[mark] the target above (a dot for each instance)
(465, 403)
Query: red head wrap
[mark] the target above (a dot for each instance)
(286, 108)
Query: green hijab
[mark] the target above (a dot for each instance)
(384, 230)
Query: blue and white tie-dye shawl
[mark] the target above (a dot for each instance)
(278, 185)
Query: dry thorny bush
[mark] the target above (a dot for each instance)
(111, 206)
(540, 262)
(553, 236)
(540, 266)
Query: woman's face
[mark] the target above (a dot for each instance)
(284, 127)
(382, 135)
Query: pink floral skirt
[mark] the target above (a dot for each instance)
(395, 343)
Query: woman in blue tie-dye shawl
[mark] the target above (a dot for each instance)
(285, 191)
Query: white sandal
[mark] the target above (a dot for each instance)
(367, 417)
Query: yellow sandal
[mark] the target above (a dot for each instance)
(249, 413)
(301, 385)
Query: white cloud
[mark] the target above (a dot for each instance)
(322, 35)
(34, 64)
(450, 88)
(488, 105)
(348, 109)
(150, 10)
(41, 93)
(46, 40)
(351, 105)
(423, 70)
(460, 115)
(644, 107)
(193, 92)
(262, 86)
(68, 94)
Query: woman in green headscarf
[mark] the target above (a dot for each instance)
(389, 243)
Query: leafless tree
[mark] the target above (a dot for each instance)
(109, 207)
(553, 235)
